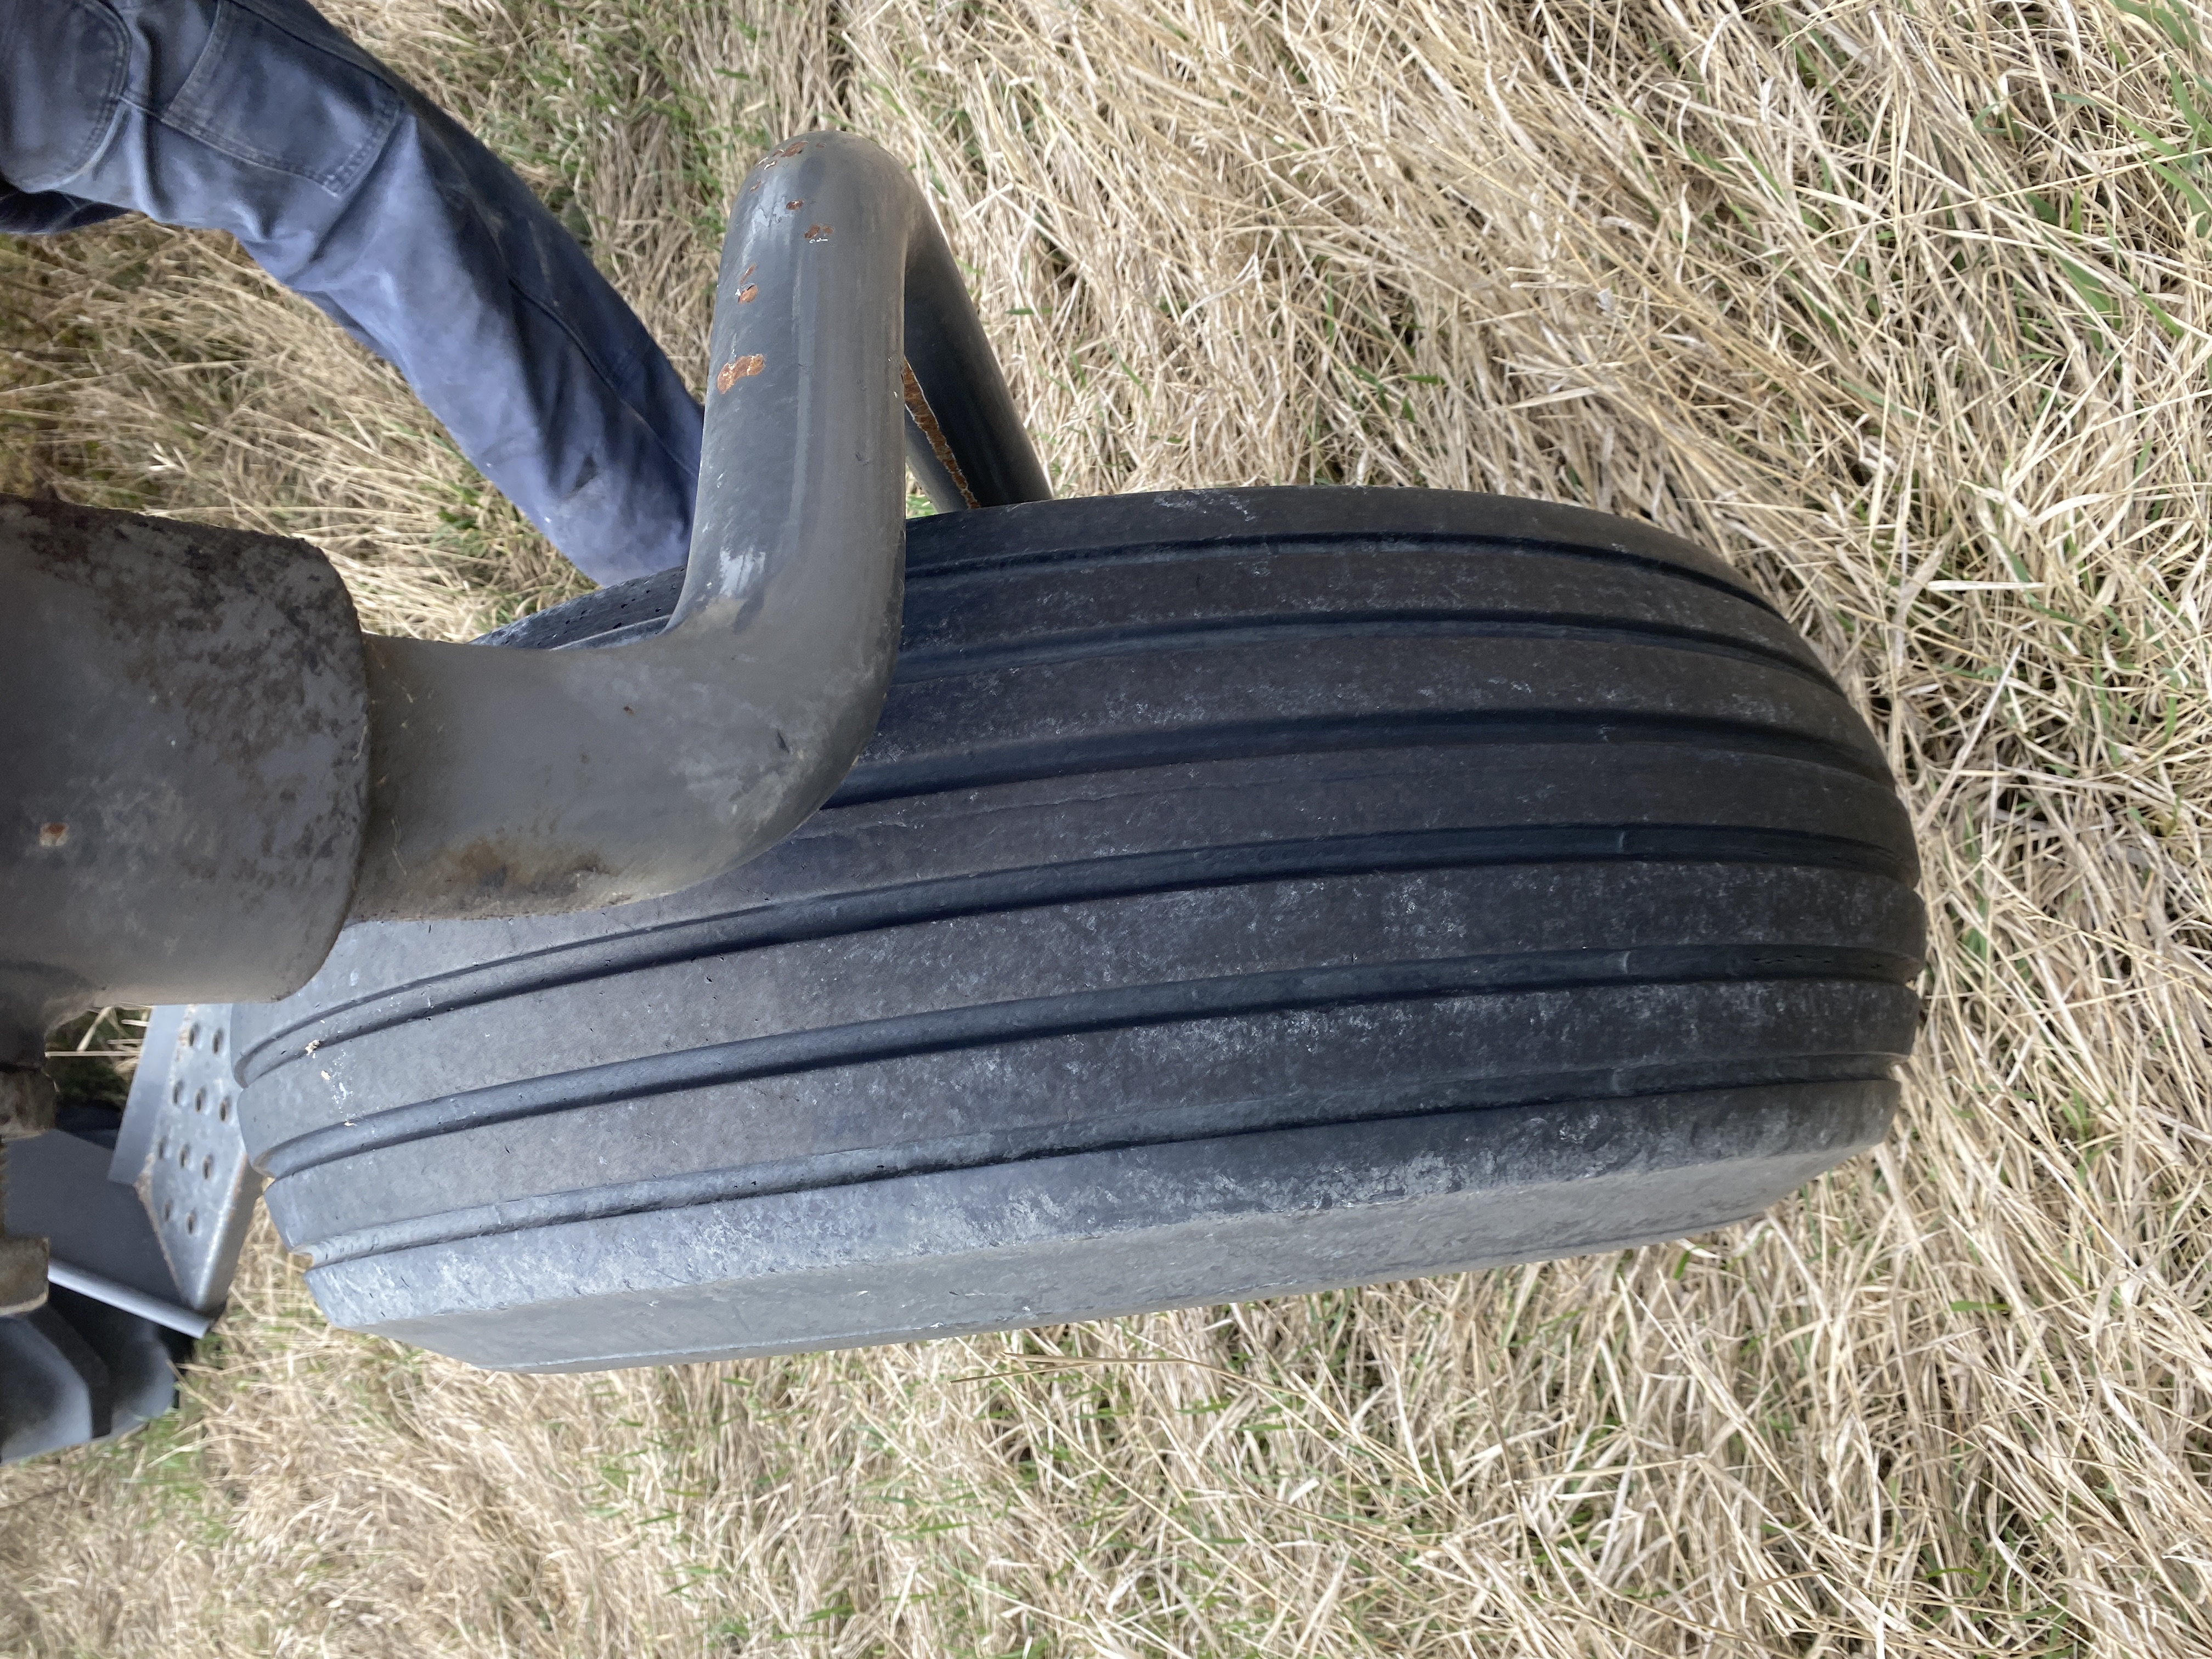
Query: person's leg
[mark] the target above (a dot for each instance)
(348, 186)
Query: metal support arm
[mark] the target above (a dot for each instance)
(205, 769)
(510, 783)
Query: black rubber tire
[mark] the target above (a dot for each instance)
(1245, 892)
(58, 1393)
(77, 1370)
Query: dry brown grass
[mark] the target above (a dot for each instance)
(1906, 309)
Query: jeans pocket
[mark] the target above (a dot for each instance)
(63, 65)
(263, 94)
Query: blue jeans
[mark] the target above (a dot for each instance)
(348, 186)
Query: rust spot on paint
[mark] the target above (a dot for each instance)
(793, 206)
(925, 418)
(746, 294)
(504, 876)
(817, 233)
(797, 147)
(739, 369)
(53, 835)
(748, 270)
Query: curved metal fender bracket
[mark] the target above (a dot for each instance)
(515, 783)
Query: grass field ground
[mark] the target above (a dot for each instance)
(1906, 308)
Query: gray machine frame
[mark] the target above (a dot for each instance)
(208, 768)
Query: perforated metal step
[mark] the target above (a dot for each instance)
(182, 1152)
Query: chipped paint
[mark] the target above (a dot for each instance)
(817, 233)
(925, 418)
(739, 369)
(746, 296)
(488, 875)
